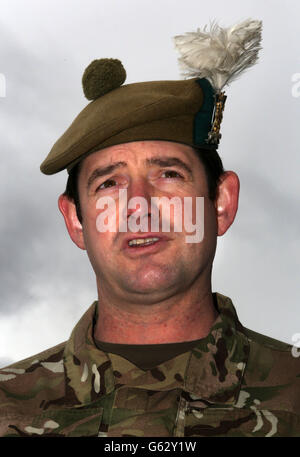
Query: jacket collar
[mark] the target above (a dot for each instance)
(212, 371)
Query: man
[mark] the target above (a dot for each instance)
(158, 354)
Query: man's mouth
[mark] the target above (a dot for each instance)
(139, 242)
(149, 243)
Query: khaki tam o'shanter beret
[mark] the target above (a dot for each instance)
(187, 111)
(179, 111)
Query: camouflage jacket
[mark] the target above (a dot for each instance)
(235, 382)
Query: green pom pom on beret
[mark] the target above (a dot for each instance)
(102, 76)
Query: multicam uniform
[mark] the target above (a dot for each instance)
(235, 382)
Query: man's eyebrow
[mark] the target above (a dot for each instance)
(169, 162)
(103, 171)
(160, 161)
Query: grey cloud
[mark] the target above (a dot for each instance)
(257, 261)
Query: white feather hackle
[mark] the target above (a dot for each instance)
(219, 54)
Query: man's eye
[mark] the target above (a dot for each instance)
(172, 174)
(107, 183)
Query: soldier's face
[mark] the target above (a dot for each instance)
(146, 169)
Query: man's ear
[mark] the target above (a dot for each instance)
(227, 201)
(68, 210)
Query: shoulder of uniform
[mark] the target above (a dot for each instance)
(29, 384)
(272, 374)
(266, 341)
(19, 377)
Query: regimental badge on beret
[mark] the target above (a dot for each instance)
(187, 111)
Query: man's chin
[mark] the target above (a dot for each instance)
(154, 282)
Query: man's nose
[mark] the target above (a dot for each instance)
(139, 188)
(139, 194)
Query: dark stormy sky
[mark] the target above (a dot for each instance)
(46, 281)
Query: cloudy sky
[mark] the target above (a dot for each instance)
(46, 281)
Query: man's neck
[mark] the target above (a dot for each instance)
(174, 320)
